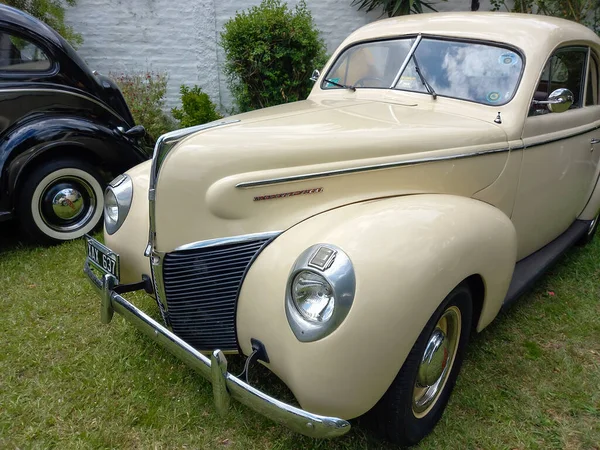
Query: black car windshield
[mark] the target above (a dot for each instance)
(477, 72)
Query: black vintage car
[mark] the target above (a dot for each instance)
(64, 132)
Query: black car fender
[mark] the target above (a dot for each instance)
(48, 137)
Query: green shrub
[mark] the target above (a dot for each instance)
(395, 7)
(586, 12)
(270, 54)
(144, 93)
(50, 11)
(196, 108)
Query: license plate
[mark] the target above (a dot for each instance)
(102, 257)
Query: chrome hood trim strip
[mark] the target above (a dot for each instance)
(330, 173)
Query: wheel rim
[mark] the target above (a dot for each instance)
(437, 361)
(67, 203)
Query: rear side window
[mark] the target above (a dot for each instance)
(20, 55)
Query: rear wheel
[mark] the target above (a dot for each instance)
(61, 200)
(415, 401)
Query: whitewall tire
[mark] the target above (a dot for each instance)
(60, 201)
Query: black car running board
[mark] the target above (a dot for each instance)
(530, 269)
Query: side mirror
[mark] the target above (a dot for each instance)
(559, 101)
(136, 132)
(315, 75)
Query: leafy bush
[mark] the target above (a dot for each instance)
(50, 11)
(586, 12)
(144, 93)
(196, 108)
(395, 7)
(270, 54)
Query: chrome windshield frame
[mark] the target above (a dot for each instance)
(406, 61)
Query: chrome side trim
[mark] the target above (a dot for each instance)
(330, 173)
(550, 141)
(408, 162)
(296, 419)
(228, 240)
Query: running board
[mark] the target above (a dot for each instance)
(530, 269)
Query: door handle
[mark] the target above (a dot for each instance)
(595, 141)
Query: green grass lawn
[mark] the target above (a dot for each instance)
(531, 380)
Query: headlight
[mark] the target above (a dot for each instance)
(320, 292)
(313, 296)
(117, 201)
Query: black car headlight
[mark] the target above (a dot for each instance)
(117, 201)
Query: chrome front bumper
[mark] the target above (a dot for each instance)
(225, 385)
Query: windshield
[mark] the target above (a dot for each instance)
(476, 72)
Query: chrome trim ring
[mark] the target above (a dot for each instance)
(437, 361)
(339, 273)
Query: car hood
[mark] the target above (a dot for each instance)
(269, 169)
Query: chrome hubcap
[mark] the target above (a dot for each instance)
(437, 361)
(67, 203)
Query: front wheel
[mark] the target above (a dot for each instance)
(61, 200)
(415, 401)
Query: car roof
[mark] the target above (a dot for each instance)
(520, 30)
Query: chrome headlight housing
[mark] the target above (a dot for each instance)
(117, 201)
(320, 292)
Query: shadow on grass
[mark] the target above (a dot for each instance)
(11, 237)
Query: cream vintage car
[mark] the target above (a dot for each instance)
(351, 242)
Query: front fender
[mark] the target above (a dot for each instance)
(408, 253)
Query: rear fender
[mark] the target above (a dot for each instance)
(408, 253)
(38, 140)
(593, 205)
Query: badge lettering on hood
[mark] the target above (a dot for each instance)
(288, 194)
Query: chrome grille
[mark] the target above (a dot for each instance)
(201, 287)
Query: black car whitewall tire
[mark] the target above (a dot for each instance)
(415, 401)
(60, 201)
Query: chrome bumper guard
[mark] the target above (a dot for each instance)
(225, 385)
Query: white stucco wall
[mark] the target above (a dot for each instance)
(180, 37)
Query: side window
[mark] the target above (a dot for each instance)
(20, 55)
(565, 69)
(591, 96)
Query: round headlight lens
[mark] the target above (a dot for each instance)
(117, 201)
(313, 296)
(111, 207)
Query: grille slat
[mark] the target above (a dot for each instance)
(203, 270)
(216, 259)
(201, 287)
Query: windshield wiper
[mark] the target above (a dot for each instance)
(352, 88)
(423, 80)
